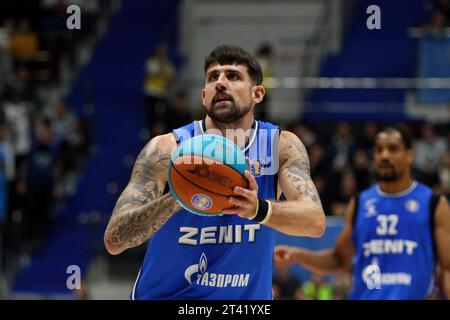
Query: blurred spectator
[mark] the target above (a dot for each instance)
(6, 65)
(317, 160)
(18, 119)
(441, 285)
(321, 186)
(446, 285)
(341, 286)
(428, 153)
(84, 129)
(305, 134)
(361, 170)
(34, 163)
(179, 112)
(299, 294)
(367, 138)
(158, 128)
(437, 23)
(83, 293)
(317, 289)
(444, 6)
(40, 182)
(264, 56)
(65, 124)
(6, 172)
(21, 84)
(66, 137)
(276, 292)
(287, 284)
(341, 147)
(346, 190)
(6, 164)
(160, 72)
(444, 174)
(24, 42)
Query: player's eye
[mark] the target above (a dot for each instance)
(213, 77)
(233, 76)
(393, 148)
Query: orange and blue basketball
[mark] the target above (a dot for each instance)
(203, 172)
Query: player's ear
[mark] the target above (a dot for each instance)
(203, 97)
(410, 155)
(258, 93)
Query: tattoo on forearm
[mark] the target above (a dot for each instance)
(141, 210)
(298, 171)
(135, 226)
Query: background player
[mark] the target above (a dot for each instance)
(394, 231)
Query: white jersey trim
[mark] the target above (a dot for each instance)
(135, 285)
(252, 139)
(396, 194)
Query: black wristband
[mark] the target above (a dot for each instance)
(263, 210)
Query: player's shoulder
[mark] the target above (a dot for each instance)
(289, 140)
(288, 136)
(422, 188)
(165, 142)
(368, 193)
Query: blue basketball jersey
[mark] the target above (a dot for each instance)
(394, 248)
(217, 257)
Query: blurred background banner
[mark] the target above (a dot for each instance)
(434, 62)
(77, 105)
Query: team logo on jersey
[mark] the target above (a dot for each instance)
(257, 167)
(198, 269)
(201, 201)
(197, 274)
(372, 276)
(412, 206)
(371, 210)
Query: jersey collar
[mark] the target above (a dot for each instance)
(396, 194)
(253, 133)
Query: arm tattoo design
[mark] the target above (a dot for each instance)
(141, 209)
(298, 171)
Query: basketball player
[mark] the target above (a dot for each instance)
(394, 231)
(228, 256)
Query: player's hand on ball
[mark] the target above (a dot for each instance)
(246, 201)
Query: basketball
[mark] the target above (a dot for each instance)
(203, 172)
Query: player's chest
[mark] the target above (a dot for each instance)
(393, 217)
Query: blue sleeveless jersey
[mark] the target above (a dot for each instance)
(394, 250)
(218, 257)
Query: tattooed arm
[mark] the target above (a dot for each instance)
(302, 213)
(141, 210)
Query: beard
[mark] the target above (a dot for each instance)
(386, 177)
(232, 115)
(227, 114)
(391, 177)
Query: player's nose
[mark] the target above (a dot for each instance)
(385, 153)
(221, 82)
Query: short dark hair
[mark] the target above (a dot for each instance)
(230, 54)
(406, 137)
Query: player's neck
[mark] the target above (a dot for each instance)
(396, 186)
(244, 124)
